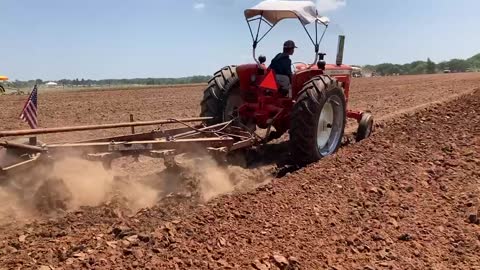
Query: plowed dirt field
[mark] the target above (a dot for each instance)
(406, 198)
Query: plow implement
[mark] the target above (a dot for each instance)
(18, 155)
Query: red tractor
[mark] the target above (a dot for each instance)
(314, 112)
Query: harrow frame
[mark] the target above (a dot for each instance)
(219, 139)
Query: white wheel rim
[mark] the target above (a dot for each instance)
(324, 128)
(330, 126)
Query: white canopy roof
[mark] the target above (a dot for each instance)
(275, 11)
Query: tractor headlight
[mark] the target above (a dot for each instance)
(253, 78)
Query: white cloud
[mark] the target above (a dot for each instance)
(325, 5)
(199, 6)
(329, 5)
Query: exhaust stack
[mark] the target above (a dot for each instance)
(341, 45)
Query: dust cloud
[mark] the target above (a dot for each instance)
(213, 180)
(74, 182)
(88, 182)
(12, 208)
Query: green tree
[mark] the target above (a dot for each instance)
(150, 81)
(474, 62)
(458, 65)
(388, 69)
(430, 66)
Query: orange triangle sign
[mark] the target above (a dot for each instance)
(269, 82)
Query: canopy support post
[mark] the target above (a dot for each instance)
(258, 29)
(255, 38)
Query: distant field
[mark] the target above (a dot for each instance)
(103, 87)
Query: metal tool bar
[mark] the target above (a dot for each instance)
(192, 132)
(145, 136)
(95, 127)
(243, 144)
(182, 144)
(24, 147)
(20, 166)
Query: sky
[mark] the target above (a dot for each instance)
(100, 39)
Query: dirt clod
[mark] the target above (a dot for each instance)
(473, 217)
(405, 237)
(122, 231)
(280, 261)
(22, 238)
(144, 237)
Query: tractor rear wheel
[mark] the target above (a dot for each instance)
(225, 108)
(231, 100)
(211, 105)
(318, 120)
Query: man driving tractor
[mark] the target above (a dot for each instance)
(282, 65)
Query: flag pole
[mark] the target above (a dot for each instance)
(32, 140)
(29, 113)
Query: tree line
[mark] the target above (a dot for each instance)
(117, 82)
(426, 67)
(416, 67)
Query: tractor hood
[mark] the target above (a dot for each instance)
(275, 11)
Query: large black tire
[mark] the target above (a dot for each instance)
(306, 133)
(213, 95)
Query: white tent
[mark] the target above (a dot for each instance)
(51, 84)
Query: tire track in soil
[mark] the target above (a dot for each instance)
(404, 199)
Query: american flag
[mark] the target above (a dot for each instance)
(29, 112)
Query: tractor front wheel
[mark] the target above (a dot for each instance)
(318, 120)
(365, 127)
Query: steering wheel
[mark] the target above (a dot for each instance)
(295, 68)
